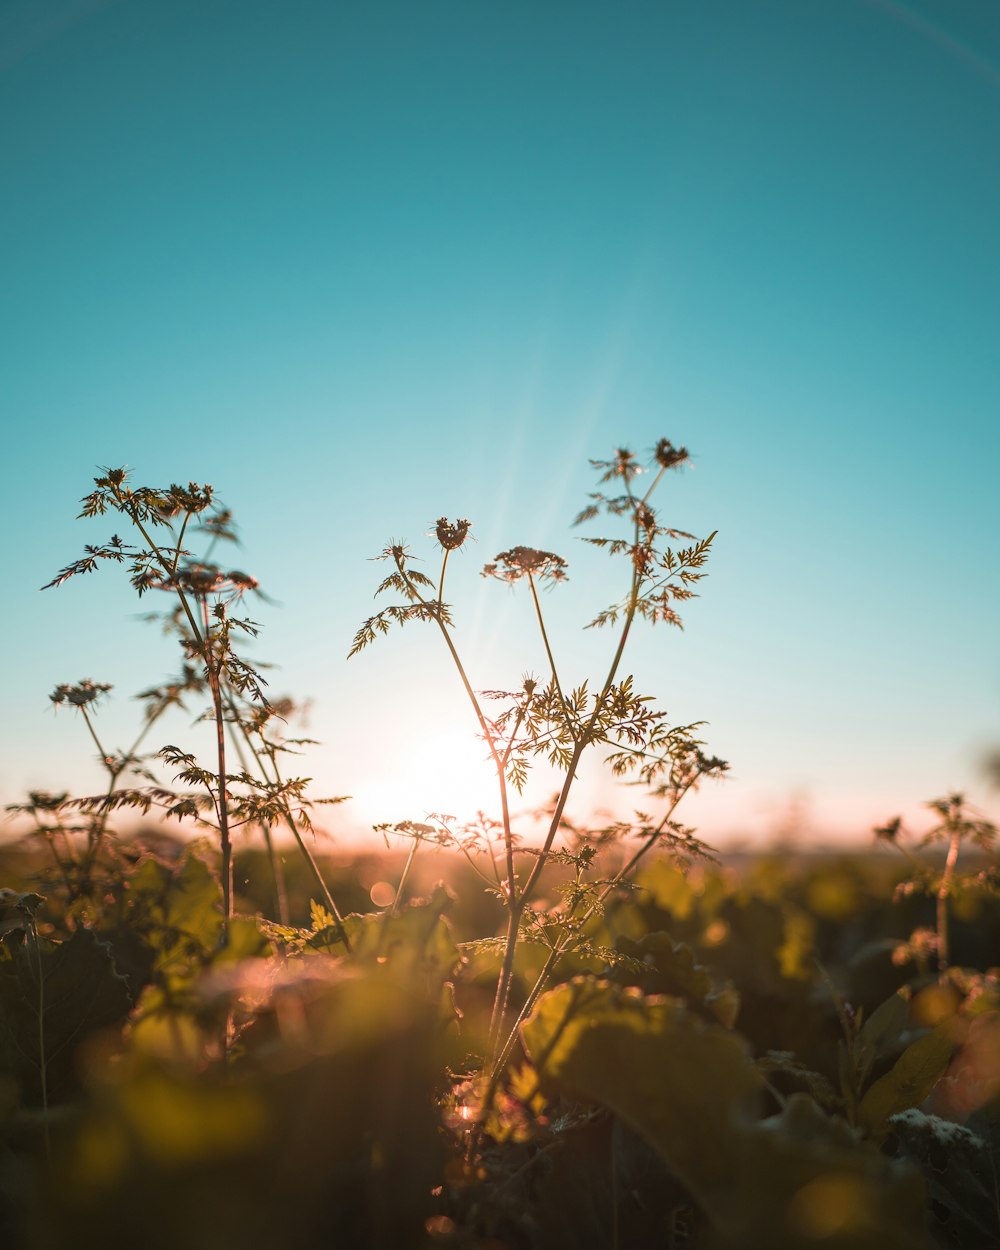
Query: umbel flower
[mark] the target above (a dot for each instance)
(199, 580)
(451, 534)
(668, 456)
(80, 694)
(511, 566)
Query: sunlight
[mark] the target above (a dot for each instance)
(447, 771)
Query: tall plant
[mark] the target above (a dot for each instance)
(205, 594)
(563, 723)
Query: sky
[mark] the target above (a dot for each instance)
(361, 265)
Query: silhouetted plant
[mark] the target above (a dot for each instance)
(958, 824)
(548, 719)
(205, 594)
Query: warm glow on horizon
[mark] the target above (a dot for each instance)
(446, 771)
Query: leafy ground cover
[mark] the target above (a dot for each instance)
(600, 1037)
(766, 1059)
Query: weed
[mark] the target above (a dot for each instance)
(205, 594)
(548, 719)
(958, 823)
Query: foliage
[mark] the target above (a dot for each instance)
(604, 1037)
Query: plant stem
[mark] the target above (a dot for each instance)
(213, 670)
(548, 652)
(164, 564)
(42, 1064)
(308, 856)
(487, 733)
(573, 939)
(944, 889)
(394, 910)
(518, 903)
(293, 828)
(277, 876)
(93, 733)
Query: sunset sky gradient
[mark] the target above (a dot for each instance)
(361, 265)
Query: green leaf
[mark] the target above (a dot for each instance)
(803, 1180)
(791, 1182)
(668, 887)
(53, 997)
(670, 968)
(177, 912)
(911, 1079)
(880, 1033)
(245, 942)
(680, 1082)
(416, 943)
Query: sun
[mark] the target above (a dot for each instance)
(443, 771)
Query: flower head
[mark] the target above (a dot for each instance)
(668, 456)
(81, 694)
(510, 566)
(451, 534)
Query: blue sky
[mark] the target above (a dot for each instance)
(362, 265)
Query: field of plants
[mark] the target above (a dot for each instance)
(598, 1035)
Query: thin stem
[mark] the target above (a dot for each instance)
(502, 995)
(293, 828)
(96, 833)
(548, 652)
(573, 939)
(130, 511)
(652, 486)
(214, 667)
(42, 1063)
(93, 733)
(394, 910)
(308, 856)
(277, 876)
(180, 540)
(478, 871)
(585, 737)
(520, 902)
(514, 916)
(942, 900)
(48, 833)
(557, 815)
(518, 721)
(488, 736)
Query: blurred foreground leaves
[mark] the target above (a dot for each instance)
(743, 1060)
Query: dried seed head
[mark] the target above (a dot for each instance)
(81, 694)
(192, 499)
(518, 562)
(889, 832)
(668, 456)
(451, 534)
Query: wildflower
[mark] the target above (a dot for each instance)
(888, 832)
(178, 499)
(510, 566)
(668, 456)
(81, 694)
(451, 534)
(44, 801)
(202, 580)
